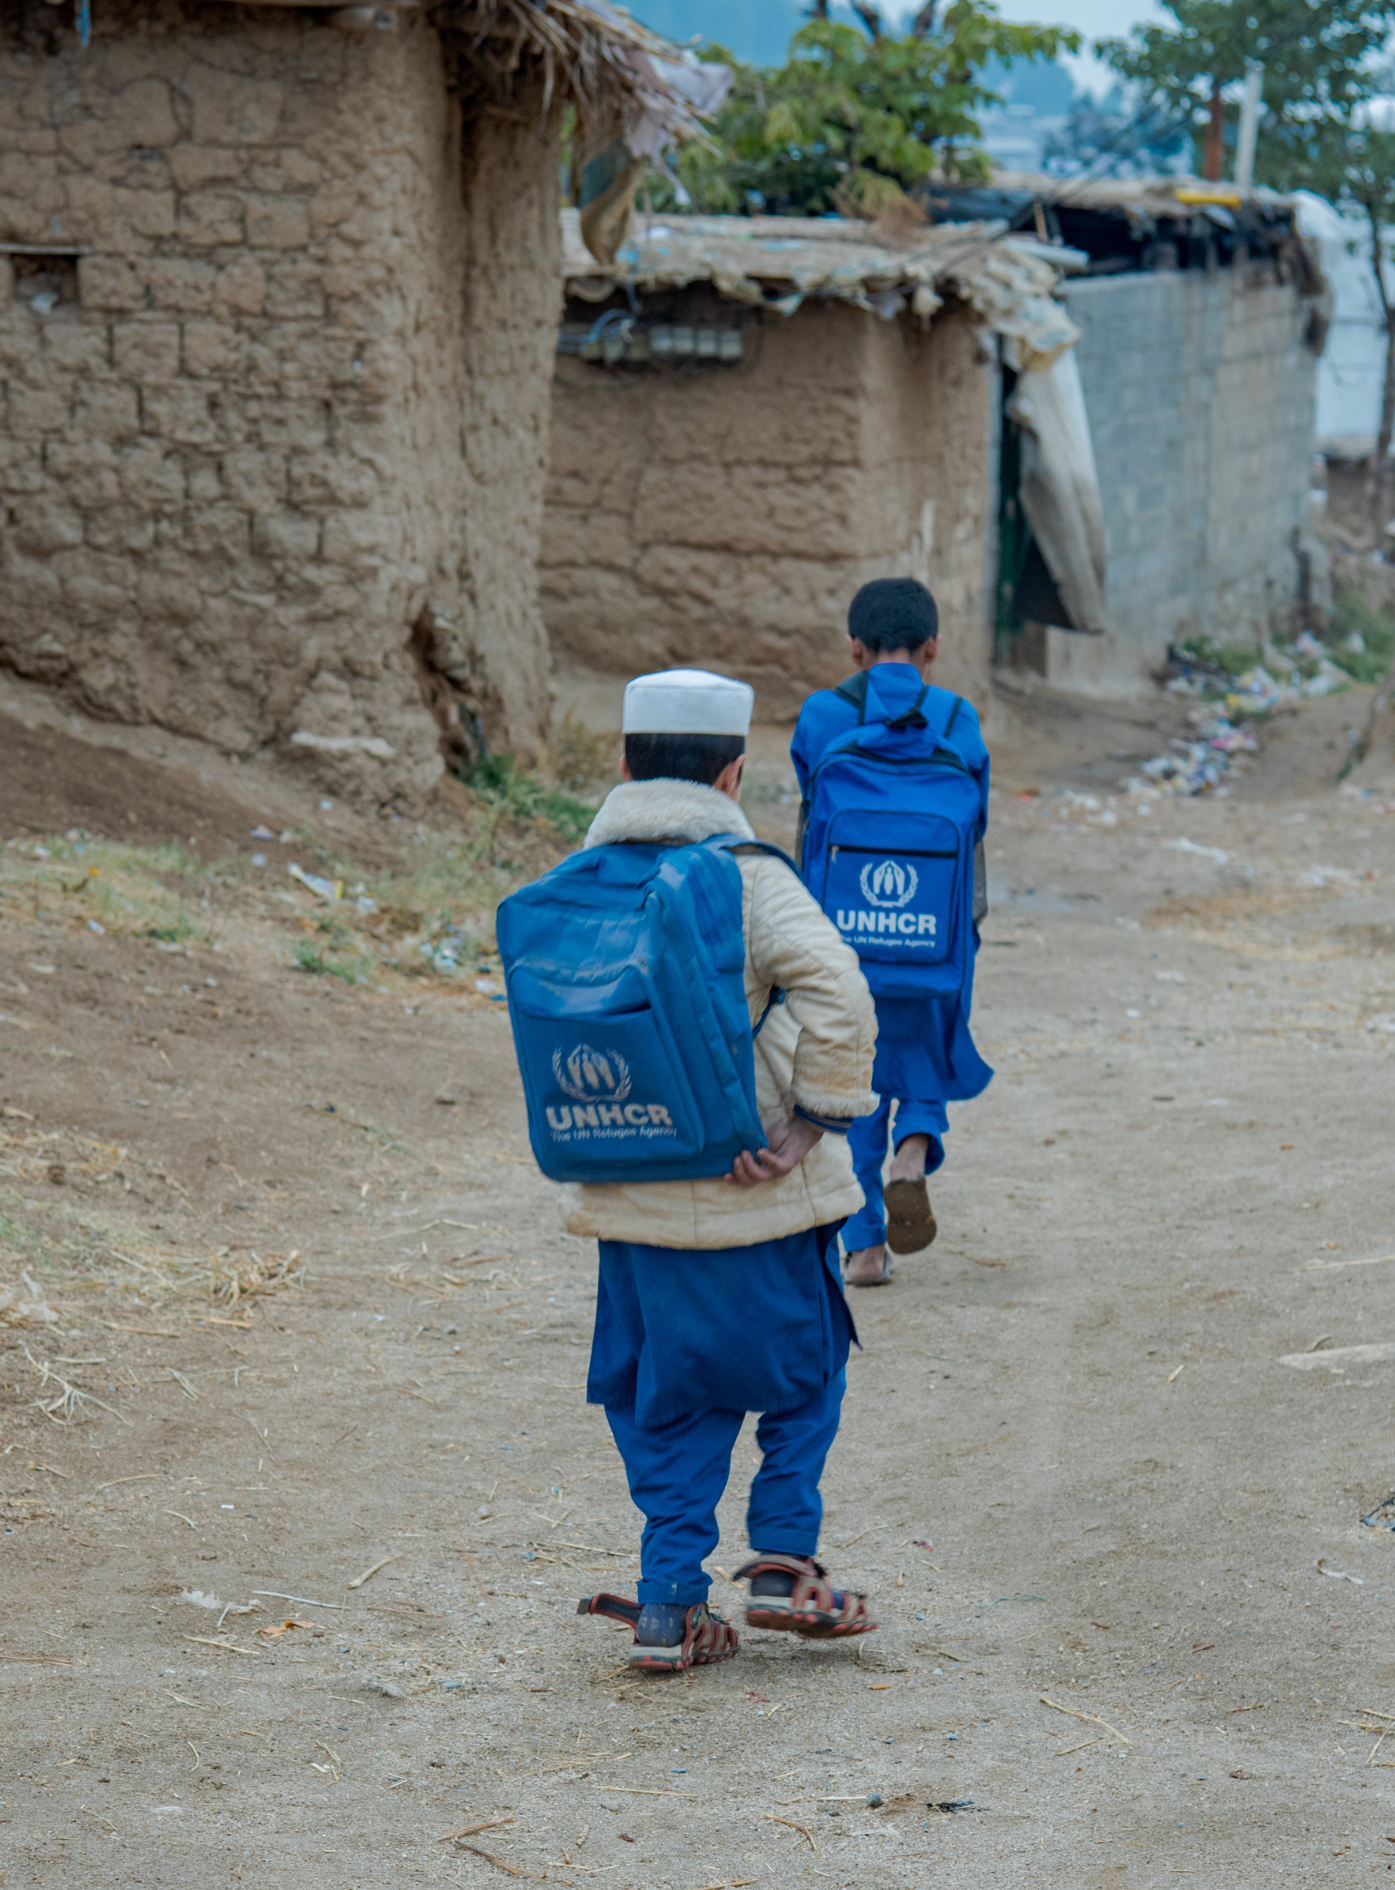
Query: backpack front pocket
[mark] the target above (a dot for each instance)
(603, 1092)
(893, 901)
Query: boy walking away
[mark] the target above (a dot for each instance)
(894, 774)
(695, 1040)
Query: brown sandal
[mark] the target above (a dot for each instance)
(910, 1221)
(814, 1607)
(706, 1636)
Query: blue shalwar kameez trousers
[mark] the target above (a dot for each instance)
(925, 1054)
(687, 1341)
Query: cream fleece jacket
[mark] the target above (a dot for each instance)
(814, 1052)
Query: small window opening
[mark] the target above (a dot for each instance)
(44, 278)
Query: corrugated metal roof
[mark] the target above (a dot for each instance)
(1150, 196)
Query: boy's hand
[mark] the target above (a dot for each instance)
(789, 1144)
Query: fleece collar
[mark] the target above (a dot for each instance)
(682, 811)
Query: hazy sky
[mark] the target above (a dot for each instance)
(759, 30)
(1096, 19)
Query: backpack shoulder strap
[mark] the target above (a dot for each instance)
(854, 690)
(958, 705)
(728, 843)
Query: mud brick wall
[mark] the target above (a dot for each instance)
(725, 517)
(1200, 393)
(274, 460)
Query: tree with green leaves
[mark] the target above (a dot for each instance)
(1322, 64)
(1352, 164)
(855, 120)
(1319, 59)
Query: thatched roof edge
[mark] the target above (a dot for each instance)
(594, 54)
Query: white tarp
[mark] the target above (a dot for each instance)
(1060, 489)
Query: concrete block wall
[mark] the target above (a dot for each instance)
(238, 458)
(1200, 394)
(726, 518)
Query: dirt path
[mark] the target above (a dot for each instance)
(1137, 1512)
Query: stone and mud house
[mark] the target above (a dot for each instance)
(278, 307)
(1082, 413)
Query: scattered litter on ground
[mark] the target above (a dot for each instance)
(198, 1599)
(1183, 845)
(25, 1305)
(331, 889)
(1327, 1266)
(1092, 1719)
(1339, 1574)
(1382, 1516)
(65, 1406)
(253, 1276)
(1336, 1358)
(275, 1594)
(359, 1580)
(882, 1654)
(1305, 672)
(470, 1830)
(386, 1687)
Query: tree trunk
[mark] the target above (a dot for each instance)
(924, 21)
(1378, 474)
(818, 9)
(869, 17)
(1379, 484)
(1215, 136)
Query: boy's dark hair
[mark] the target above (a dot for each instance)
(893, 614)
(682, 757)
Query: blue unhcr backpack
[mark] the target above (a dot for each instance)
(624, 967)
(889, 828)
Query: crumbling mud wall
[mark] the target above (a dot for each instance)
(725, 516)
(261, 477)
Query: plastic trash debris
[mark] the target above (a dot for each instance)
(1336, 1358)
(262, 833)
(24, 1305)
(445, 952)
(1339, 1574)
(259, 859)
(1183, 845)
(95, 925)
(312, 882)
(1382, 1516)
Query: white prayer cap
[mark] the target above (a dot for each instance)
(687, 702)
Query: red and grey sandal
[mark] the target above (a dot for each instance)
(812, 1606)
(701, 1636)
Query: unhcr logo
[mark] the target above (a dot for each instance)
(890, 883)
(598, 1082)
(588, 1074)
(888, 886)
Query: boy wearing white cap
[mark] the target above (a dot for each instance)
(721, 1295)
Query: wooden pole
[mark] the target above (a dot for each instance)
(1215, 136)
